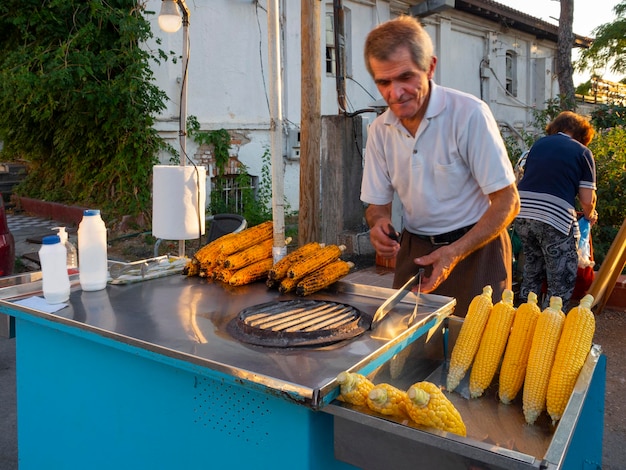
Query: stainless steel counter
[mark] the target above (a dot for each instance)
(186, 319)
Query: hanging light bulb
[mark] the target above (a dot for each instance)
(169, 17)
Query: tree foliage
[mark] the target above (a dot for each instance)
(77, 101)
(609, 46)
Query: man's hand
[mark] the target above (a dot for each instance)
(503, 209)
(384, 245)
(379, 219)
(443, 260)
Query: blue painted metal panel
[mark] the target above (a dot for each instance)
(585, 449)
(83, 404)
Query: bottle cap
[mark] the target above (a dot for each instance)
(90, 212)
(62, 234)
(51, 240)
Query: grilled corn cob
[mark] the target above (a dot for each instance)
(211, 253)
(323, 277)
(571, 353)
(517, 350)
(222, 274)
(428, 406)
(279, 270)
(354, 388)
(251, 273)
(192, 268)
(387, 400)
(326, 255)
(545, 341)
(246, 238)
(287, 285)
(243, 258)
(468, 341)
(492, 344)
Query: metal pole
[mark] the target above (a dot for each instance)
(276, 129)
(182, 131)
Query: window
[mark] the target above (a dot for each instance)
(232, 193)
(332, 48)
(511, 73)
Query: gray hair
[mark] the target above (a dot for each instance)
(404, 30)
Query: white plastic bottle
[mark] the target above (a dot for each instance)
(55, 280)
(72, 255)
(92, 251)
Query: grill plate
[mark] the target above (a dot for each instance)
(293, 323)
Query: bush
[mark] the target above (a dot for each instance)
(77, 102)
(609, 150)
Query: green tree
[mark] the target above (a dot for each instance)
(77, 101)
(609, 46)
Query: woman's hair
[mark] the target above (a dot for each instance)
(386, 38)
(572, 124)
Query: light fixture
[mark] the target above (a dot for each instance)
(170, 20)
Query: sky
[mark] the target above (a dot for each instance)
(588, 14)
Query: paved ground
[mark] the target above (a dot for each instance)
(611, 325)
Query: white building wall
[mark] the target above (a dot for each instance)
(228, 72)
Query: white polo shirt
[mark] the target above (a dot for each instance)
(444, 174)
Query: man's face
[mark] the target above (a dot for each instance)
(401, 83)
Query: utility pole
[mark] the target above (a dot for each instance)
(310, 123)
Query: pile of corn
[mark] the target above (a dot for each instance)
(423, 403)
(245, 257)
(543, 352)
(308, 269)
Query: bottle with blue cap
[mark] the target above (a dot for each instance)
(93, 268)
(55, 280)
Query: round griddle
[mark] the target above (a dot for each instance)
(292, 323)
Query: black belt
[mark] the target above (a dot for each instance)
(445, 238)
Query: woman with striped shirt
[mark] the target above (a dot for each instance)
(559, 168)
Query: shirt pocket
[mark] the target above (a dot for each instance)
(449, 180)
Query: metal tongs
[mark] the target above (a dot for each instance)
(395, 299)
(420, 274)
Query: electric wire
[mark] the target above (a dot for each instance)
(182, 133)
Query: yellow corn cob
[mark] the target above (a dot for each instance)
(243, 258)
(251, 273)
(354, 388)
(517, 350)
(246, 238)
(468, 341)
(388, 400)
(492, 344)
(396, 363)
(323, 277)
(570, 356)
(279, 270)
(428, 406)
(326, 255)
(545, 340)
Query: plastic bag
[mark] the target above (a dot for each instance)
(584, 245)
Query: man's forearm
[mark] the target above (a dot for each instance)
(374, 213)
